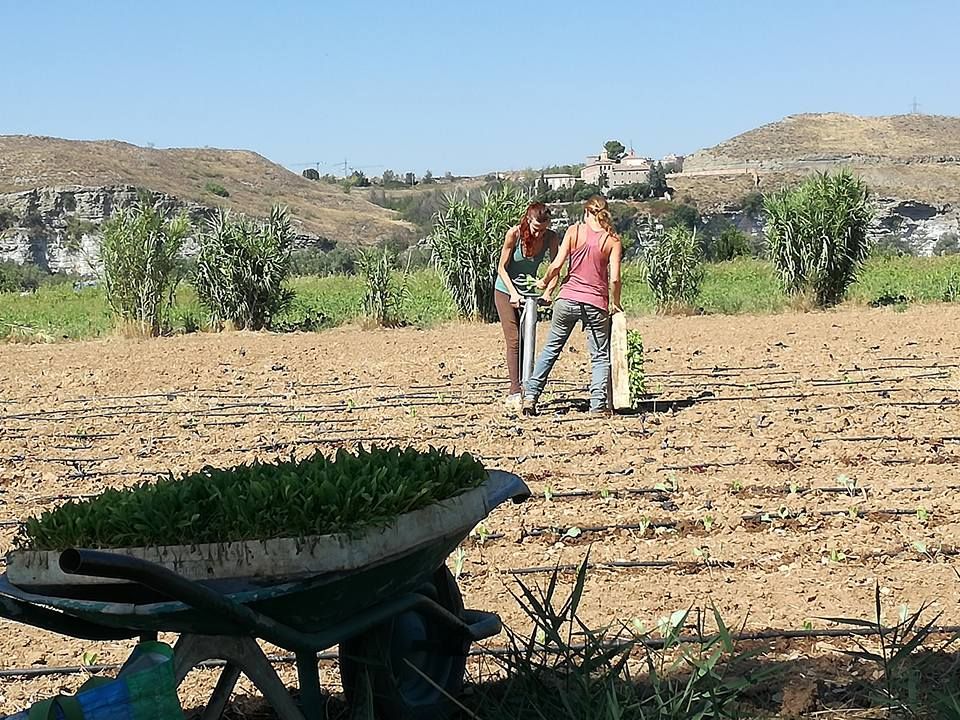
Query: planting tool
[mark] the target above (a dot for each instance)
(532, 303)
(384, 595)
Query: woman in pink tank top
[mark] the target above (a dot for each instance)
(593, 251)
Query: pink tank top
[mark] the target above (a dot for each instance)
(588, 279)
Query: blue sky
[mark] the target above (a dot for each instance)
(465, 87)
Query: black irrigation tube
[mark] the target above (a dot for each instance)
(475, 652)
(773, 515)
(931, 440)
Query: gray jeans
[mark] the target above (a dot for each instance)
(566, 315)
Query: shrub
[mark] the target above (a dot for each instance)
(722, 241)
(216, 189)
(338, 261)
(467, 239)
(383, 301)
(8, 218)
(891, 245)
(674, 267)
(19, 278)
(817, 234)
(241, 269)
(948, 244)
(139, 252)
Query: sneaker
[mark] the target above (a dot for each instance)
(529, 406)
(514, 402)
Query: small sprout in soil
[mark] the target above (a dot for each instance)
(548, 493)
(794, 487)
(573, 532)
(605, 494)
(481, 533)
(808, 625)
(643, 524)
(920, 547)
(784, 512)
(89, 659)
(702, 553)
(922, 514)
(707, 522)
(736, 486)
(459, 556)
(853, 513)
(837, 555)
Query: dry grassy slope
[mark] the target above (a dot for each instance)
(897, 137)
(254, 183)
(883, 150)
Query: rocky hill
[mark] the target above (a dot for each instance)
(36, 171)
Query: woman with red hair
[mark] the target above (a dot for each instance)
(524, 249)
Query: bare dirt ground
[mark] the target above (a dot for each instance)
(786, 466)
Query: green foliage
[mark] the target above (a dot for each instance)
(817, 234)
(892, 245)
(241, 269)
(637, 378)
(567, 669)
(260, 501)
(752, 204)
(674, 267)
(385, 294)
(466, 247)
(216, 189)
(15, 277)
(338, 261)
(722, 240)
(76, 229)
(683, 216)
(615, 150)
(139, 252)
(633, 191)
(8, 219)
(657, 180)
(948, 244)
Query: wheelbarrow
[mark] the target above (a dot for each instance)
(385, 596)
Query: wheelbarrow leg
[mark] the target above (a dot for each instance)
(308, 675)
(242, 654)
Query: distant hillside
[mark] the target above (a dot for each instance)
(910, 157)
(897, 138)
(254, 183)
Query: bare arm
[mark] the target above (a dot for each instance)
(509, 245)
(554, 251)
(553, 272)
(616, 255)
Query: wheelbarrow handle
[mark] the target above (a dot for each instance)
(95, 563)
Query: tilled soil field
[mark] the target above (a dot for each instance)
(784, 467)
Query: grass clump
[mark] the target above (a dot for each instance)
(260, 501)
(675, 269)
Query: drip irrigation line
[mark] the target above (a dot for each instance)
(908, 366)
(920, 376)
(889, 438)
(893, 403)
(699, 466)
(773, 515)
(619, 641)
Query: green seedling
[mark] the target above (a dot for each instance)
(794, 487)
(837, 555)
(548, 493)
(481, 532)
(736, 486)
(707, 521)
(604, 494)
(573, 532)
(922, 514)
(89, 659)
(853, 513)
(807, 625)
(459, 557)
(643, 524)
(702, 553)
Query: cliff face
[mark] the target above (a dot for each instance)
(58, 228)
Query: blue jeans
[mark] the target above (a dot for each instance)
(566, 315)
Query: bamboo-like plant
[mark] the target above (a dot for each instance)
(674, 268)
(139, 252)
(817, 234)
(467, 238)
(241, 269)
(385, 295)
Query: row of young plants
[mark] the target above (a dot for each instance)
(296, 498)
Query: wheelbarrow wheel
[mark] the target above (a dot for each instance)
(413, 663)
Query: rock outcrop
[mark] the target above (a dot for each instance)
(58, 228)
